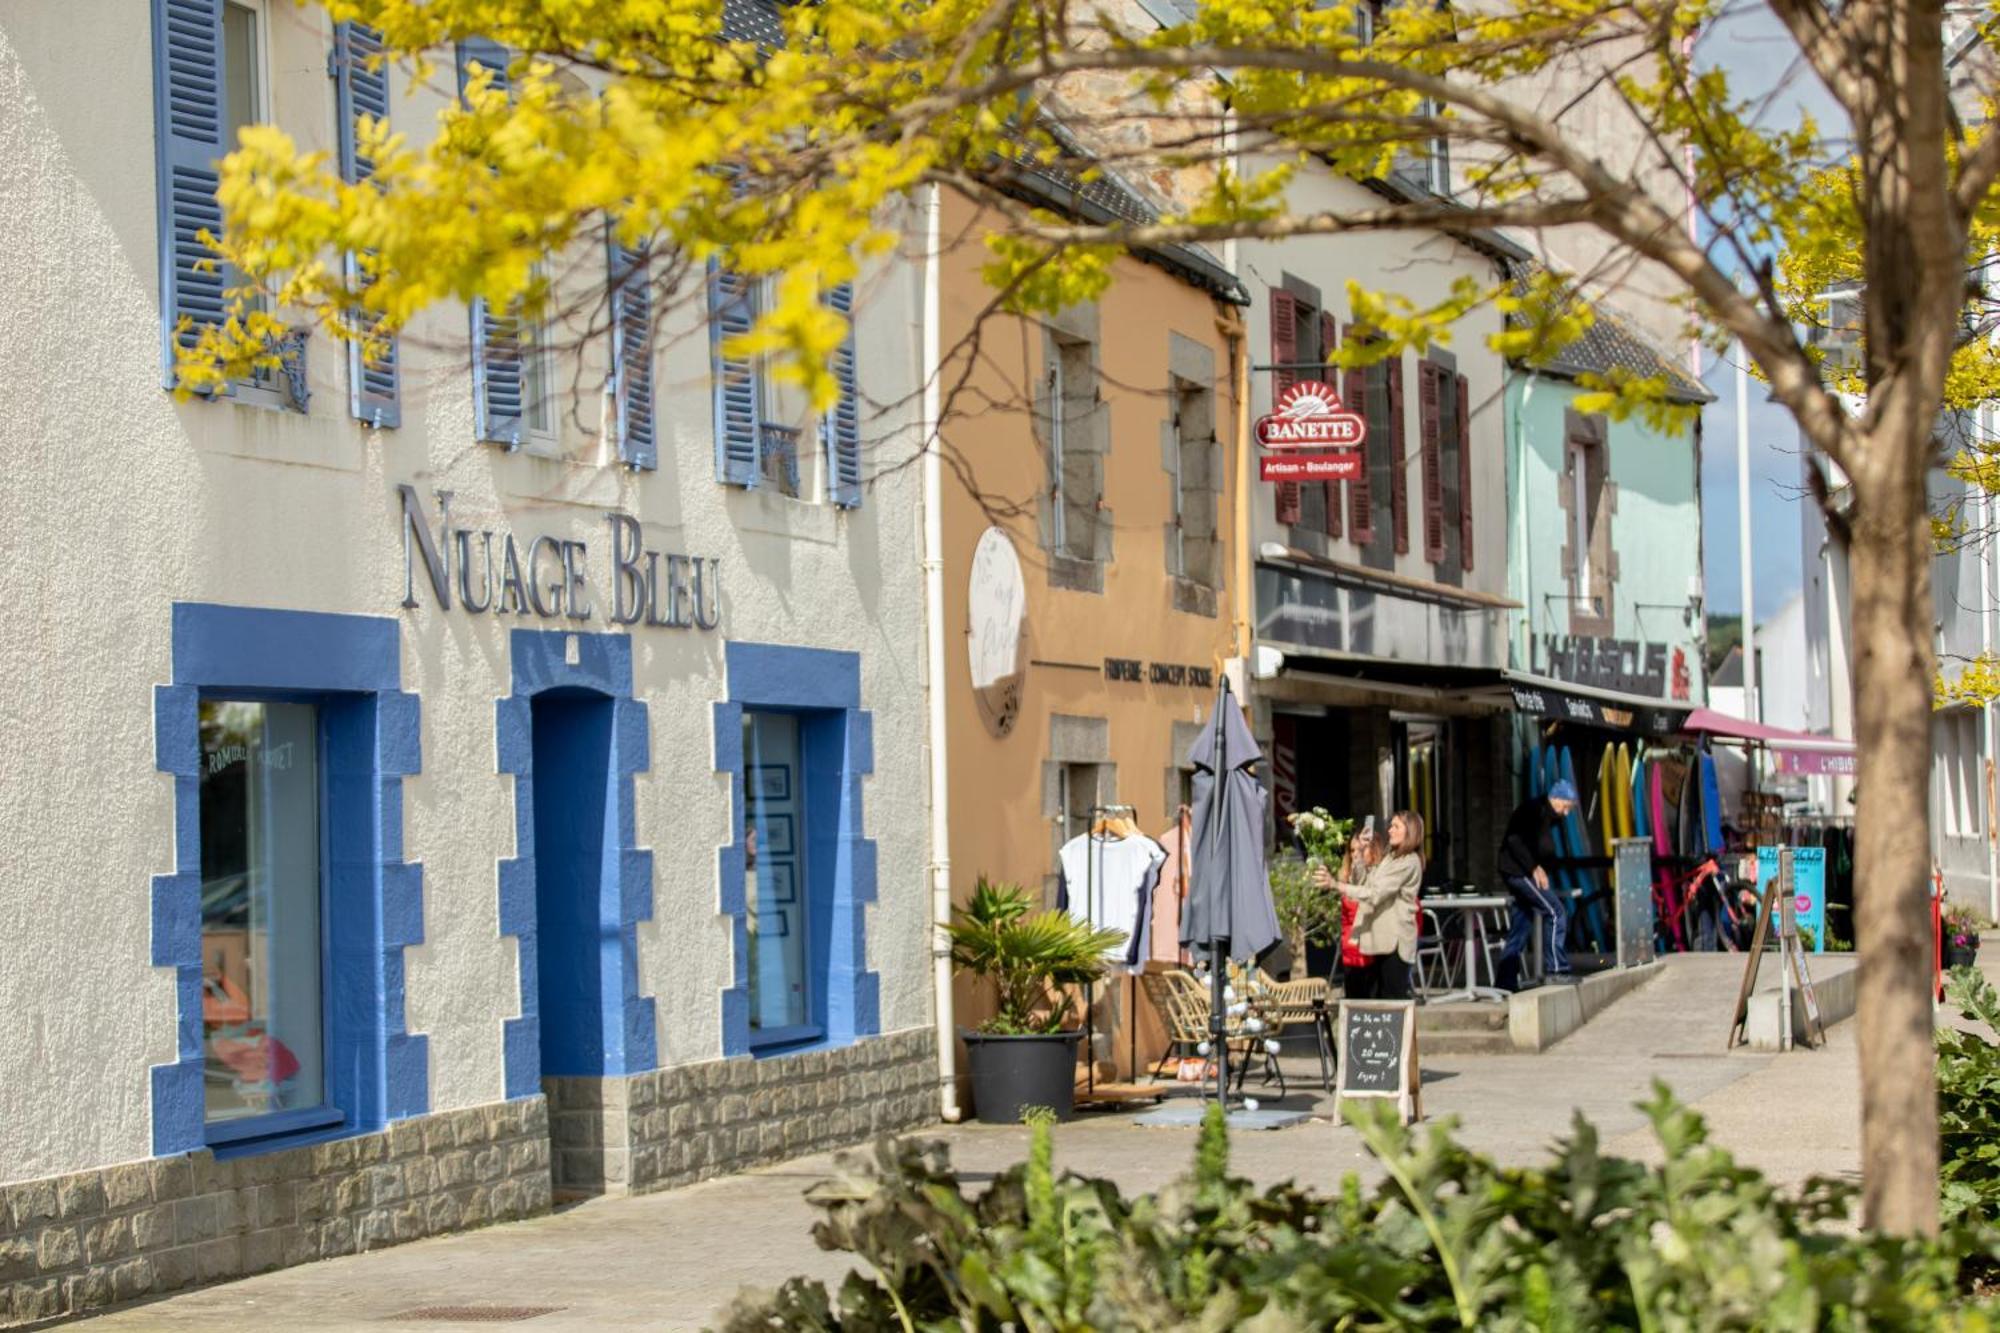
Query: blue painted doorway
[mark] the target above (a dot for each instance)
(576, 880)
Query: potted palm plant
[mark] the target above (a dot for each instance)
(1025, 1054)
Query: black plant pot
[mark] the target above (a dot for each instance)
(1956, 957)
(1010, 1074)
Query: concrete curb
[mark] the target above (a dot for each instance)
(1836, 989)
(1537, 1019)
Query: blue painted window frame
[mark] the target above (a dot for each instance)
(352, 667)
(836, 740)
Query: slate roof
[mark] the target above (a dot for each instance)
(1610, 345)
(752, 21)
(1104, 198)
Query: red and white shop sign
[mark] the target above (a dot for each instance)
(1310, 467)
(1310, 418)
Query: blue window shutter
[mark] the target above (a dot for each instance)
(188, 115)
(361, 88)
(731, 311)
(841, 427)
(632, 355)
(497, 388)
(490, 55)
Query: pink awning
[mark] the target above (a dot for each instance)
(1708, 722)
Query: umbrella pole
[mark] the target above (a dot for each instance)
(1218, 1019)
(1218, 952)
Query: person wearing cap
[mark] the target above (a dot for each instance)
(1527, 855)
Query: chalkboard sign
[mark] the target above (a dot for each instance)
(1632, 861)
(1378, 1053)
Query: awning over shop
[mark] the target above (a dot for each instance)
(1560, 701)
(1798, 751)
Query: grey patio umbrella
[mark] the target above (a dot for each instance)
(1228, 911)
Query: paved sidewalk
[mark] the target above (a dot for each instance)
(674, 1260)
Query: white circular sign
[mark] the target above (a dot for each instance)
(996, 612)
(997, 603)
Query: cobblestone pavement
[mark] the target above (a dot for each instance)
(674, 1260)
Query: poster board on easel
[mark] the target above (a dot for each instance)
(1777, 913)
(1377, 1054)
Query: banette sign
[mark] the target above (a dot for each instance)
(1310, 435)
(548, 577)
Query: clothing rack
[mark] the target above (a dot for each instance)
(1099, 813)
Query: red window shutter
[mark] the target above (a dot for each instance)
(1464, 475)
(1284, 355)
(1329, 338)
(1399, 471)
(1290, 509)
(1429, 382)
(1361, 492)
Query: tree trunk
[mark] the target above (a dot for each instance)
(1890, 566)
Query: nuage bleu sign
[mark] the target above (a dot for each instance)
(548, 578)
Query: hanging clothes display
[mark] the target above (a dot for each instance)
(1108, 881)
(1169, 893)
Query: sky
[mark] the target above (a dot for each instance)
(1761, 61)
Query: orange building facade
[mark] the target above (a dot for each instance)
(1088, 516)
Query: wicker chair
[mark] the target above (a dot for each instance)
(1307, 1000)
(1184, 1006)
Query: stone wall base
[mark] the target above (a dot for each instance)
(79, 1242)
(669, 1127)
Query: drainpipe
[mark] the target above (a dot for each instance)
(1230, 325)
(1523, 571)
(940, 770)
(1522, 568)
(1986, 650)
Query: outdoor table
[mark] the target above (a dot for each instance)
(1468, 906)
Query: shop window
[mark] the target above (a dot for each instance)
(261, 894)
(1070, 416)
(287, 915)
(1959, 771)
(243, 105)
(799, 874)
(1445, 465)
(1588, 500)
(1193, 550)
(775, 871)
(1302, 337)
(1380, 506)
(538, 385)
(760, 421)
(1080, 791)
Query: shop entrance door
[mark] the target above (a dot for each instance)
(576, 951)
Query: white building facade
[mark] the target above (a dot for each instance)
(1381, 602)
(430, 787)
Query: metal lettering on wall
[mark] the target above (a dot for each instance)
(1158, 673)
(1625, 665)
(550, 580)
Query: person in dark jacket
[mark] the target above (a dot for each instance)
(1527, 856)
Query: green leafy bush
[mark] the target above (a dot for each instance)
(1030, 956)
(1448, 1240)
(1968, 1077)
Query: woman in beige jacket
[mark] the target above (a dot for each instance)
(1385, 923)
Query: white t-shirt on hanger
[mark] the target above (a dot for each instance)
(1115, 893)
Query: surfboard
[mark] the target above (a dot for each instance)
(1606, 797)
(1623, 789)
(1642, 823)
(1711, 804)
(1582, 845)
